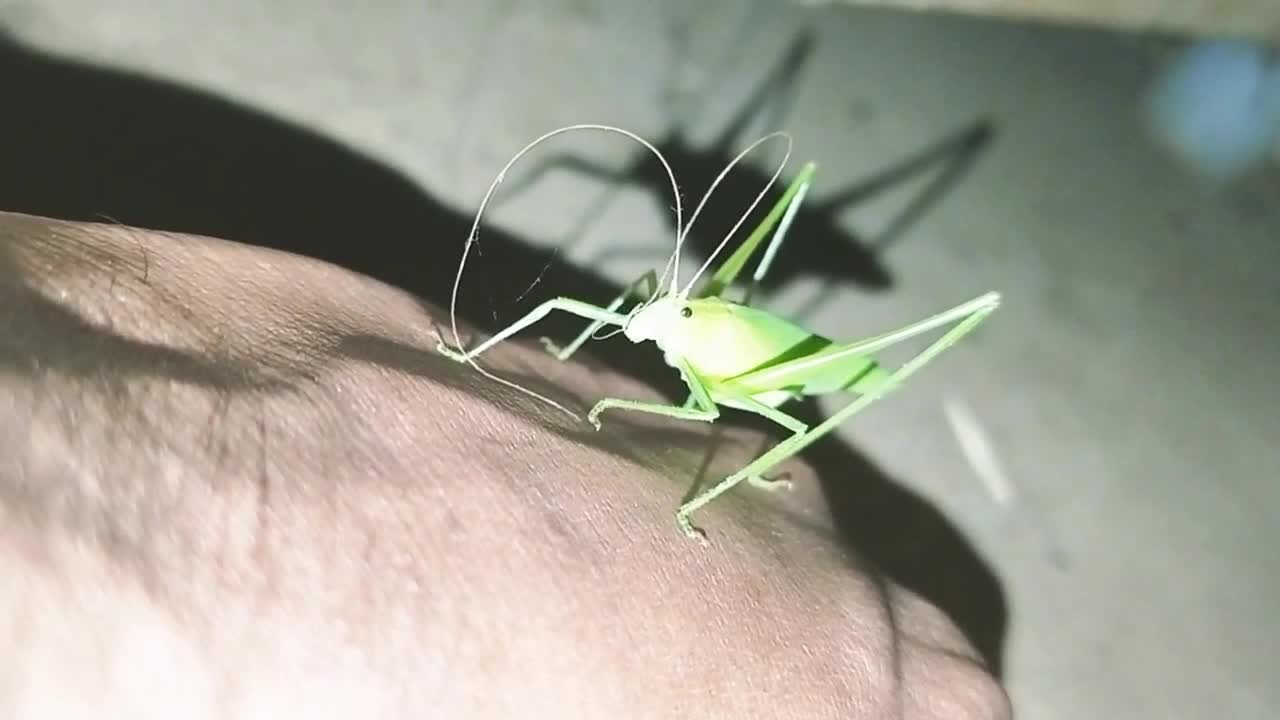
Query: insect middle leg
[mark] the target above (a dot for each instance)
(771, 484)
(701, 406)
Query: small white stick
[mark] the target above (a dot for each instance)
(978, 450)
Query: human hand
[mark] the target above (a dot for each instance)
(241, 483)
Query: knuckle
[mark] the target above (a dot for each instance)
(945, 686)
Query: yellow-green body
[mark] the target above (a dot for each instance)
(732, 347)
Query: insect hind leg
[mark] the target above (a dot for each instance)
(966, 317)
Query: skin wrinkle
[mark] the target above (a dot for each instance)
(896, 669)
(341, 522)
(726, 628)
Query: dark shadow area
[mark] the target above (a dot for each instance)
(920, 548)
(81, 143)
(817, 244)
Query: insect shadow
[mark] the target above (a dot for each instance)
(818, 245)
(84, 143)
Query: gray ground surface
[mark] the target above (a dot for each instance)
(1126, 387)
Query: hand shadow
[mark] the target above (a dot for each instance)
(83, 143)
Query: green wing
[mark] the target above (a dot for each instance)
(728, 272)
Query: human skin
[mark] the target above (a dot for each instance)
(240, 483)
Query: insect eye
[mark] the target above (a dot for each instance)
(686, 312)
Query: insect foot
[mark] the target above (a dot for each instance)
(593, 416)
(690, 530)
(451, 353)
(550, 345)
(779, 484)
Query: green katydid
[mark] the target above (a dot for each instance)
(729, 353)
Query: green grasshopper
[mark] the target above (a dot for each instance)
(729, 353)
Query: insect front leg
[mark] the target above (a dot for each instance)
(699, 407)
(576, 307)
(649, 278)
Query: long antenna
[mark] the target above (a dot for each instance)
(474, 235)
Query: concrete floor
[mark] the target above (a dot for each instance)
(1126, 386)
